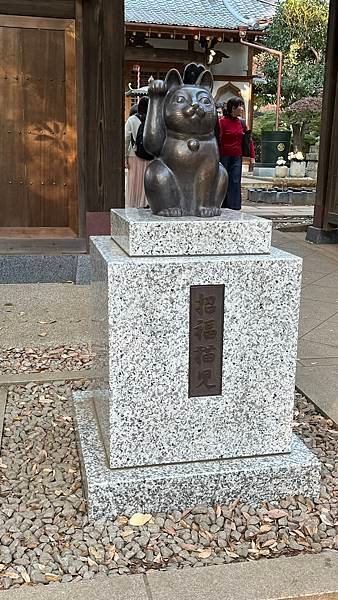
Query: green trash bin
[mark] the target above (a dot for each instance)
(274, 144)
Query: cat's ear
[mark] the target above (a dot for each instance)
(206, 81)
(173, 80)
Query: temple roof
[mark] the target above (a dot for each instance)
(215, 14)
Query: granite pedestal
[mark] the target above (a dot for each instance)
(148, 442)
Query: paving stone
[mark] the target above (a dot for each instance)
(101, 588)
(284, 578)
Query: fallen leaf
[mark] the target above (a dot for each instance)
(111, 553)
(188, 547)
(231, 554)
(324, 519)
(25, 575)
(51, 577)
(158, 558)
(98, 554)
(277, 513)
(127, 532)
(204, 553)
(299, 532)
(42, 334)
(269, 543)
(170, 530)
(265, 528)
(206, 535)
(139, 519)
(91, 562)
(121, 520)
(10, 574)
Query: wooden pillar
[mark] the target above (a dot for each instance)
(102, 24)
(324, 229)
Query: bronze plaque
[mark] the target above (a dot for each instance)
(206, 340)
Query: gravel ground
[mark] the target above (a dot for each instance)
(36, 360)
(45, 535)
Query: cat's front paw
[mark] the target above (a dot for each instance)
(209, 211)
(157, 88)
(170, 212)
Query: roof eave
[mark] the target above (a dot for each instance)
(188, 29)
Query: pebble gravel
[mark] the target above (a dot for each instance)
(45, 535)
(36, 360)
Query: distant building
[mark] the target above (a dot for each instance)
(161, 34)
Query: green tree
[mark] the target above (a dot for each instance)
(299, 30)
(304, 118)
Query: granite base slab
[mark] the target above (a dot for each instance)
(177, 486)
(140, 233)
(142, 344)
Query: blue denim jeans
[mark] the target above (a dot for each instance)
(233, 165)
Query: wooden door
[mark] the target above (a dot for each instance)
(38, 173)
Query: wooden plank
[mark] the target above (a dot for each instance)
(71, 128)
(331, 70)
(103, 53)
(42, 245)
(61, 9)
(80, 125)
(44, 106)
(12, 158)
(36, 232)
(34, 22)
(332, 179)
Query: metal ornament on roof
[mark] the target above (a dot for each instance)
(138, 92)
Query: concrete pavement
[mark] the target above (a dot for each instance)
(317, 371)
(303, 577)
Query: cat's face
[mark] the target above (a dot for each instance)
(190, 109)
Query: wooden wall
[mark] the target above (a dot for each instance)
(100, 98)
(63, 9)
(103, 86)
(326, 208)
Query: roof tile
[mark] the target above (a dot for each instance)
(218, 14)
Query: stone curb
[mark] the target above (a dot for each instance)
(22, 378)
(302, 577)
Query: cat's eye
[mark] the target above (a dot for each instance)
(179, 99)
(205, 100)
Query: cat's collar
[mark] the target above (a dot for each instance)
(184, 137)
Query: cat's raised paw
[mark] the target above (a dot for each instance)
(209, 211)
(170, 212)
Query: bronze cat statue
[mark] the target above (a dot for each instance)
(185, 177)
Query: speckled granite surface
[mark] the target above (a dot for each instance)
(140, 233)
(151, 418)
(178, 486)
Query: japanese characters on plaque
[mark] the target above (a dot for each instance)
(206, 340)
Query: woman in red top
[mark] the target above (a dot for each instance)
(231, 132)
